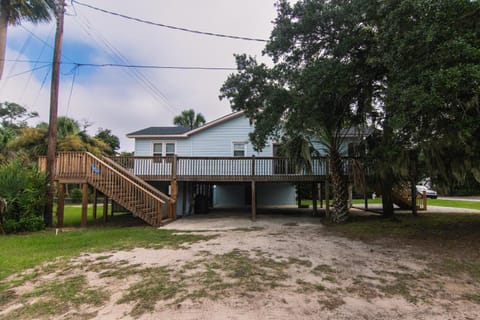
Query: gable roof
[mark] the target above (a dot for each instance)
(158, 131)
(180, 132)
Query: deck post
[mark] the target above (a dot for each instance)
(253, 165)
(61, 205)
(105, 208)
(299, 197)
(327, 188)
(84, 204)
(254, 202)
(184, 198)
(174, 188)
(365, 196)
(320, 194)
(95, 204)
(350, 195)
(314, 196)
(424, 199)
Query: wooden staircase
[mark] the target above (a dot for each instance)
(402, 198)
(117, 183)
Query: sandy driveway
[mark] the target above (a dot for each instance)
(280, 267)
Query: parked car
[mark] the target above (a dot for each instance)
(430, 193)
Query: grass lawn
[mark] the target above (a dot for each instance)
(73, 215)
(430, 202)
(431, 226)
(453, 237)
(454, 203)
(20, 252)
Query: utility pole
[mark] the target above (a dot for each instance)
(52, 128)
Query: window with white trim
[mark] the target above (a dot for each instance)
(163, 149)
(239, 149)
(169, 149)
(157, 152)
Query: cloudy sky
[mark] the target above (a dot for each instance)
(126, 100)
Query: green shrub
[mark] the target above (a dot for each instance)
(76, 195)
(24, 190)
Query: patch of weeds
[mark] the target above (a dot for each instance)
(290, 224)
(403, 267)
(331, 303)
(454, 268)
(212, 285)
(19, 280)
(120, 271)
(104, 257)
(6, 296)
(156, 285)
(400, 288)
(363, 289)
(57, 297)
(249, 229)
(301, 262)
(474, 297)
(235, 269)
(322, 269)
(253, 274)
(305, 286)
(329, 278)
(372, 279)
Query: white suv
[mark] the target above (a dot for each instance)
(430, 193)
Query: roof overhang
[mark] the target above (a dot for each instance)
(191, 132)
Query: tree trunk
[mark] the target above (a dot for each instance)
(340, 200)
(413, 180)
(3, 33)
(52, 128)
(387, 200)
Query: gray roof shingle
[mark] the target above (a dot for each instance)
(159, 131)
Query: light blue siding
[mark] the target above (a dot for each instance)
(216, 141)
(268, 194)
(143, 148)
(276, 194)
(229, 196)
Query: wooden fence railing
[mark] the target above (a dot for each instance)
(124, 188)
(223, 168)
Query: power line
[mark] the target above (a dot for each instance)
(117, 55)
(131, 66)
(27, 71)
(43, 41)
(155, 67)
(169, 26)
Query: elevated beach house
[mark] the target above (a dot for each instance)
(178, 171)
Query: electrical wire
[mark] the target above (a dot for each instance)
(168, 26)
(35, 64)
(27, 71)
(41, 87)
(133, 66)
(44, 42)
(142, 80)
(75, 72)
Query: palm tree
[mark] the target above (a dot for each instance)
(189, 119)
(13, 12)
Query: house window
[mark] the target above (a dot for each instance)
(157, 152)
(163, 149)
(239, 149)
(170, 149)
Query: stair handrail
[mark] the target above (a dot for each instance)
(125, 177)
(137, 179)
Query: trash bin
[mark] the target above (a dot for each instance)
(201, 204)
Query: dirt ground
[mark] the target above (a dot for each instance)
(279, 267)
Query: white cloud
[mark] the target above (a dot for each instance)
(110, 97)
